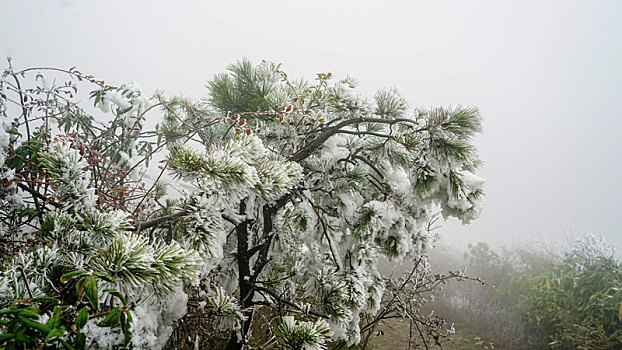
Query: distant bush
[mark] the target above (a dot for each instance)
(577, 303)
(562, 298)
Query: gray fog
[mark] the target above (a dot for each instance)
(546, 76)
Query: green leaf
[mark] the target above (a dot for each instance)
(30, 312)
(123, 111)
(119, 295)
(6, 336)
(104, 276)
(55, 321)
(303, 223)
(9, 311)
(45, 299)
(13, 131)
(90, 289)
(66, 277)
(23, 338)
(128, 314)
(128, 332)
(82, 318)
(67, 345)
(34, 324)
(112, 319)
(126, 323)
(54, 333)
(81, 341)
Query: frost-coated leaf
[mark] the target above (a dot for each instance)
(126, 324)
(68, 276)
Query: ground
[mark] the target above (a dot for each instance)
(394, 334)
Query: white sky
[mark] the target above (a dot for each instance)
(546, 76)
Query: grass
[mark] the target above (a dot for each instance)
(394, 335)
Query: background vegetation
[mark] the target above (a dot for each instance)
(563, 297)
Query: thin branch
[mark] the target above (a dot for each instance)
(284, 301)
(333, 249)
(306, 151)
(154, 222)
(361, 133)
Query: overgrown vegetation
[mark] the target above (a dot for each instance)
(561, 298)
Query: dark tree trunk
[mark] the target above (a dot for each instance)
(244, 275)
(246, 280)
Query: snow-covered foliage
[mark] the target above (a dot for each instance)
(303, 335)
(4, 141)
(128, 101)
(67, 170)
(230, 170)
(227, 310)
(287, 196)
(71, 222)
(152, 325)
(154, 321)
(326, 179)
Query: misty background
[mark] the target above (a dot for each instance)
(546, 76)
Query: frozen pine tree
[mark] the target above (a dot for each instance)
(270, 204)
(307, 186)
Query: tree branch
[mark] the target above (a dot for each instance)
(37, 194)
(306, 151)
(154, 222)
(281, 300)
(268, 212)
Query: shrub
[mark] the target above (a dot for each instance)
(577, 303)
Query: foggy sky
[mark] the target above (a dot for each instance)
(545, 74)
